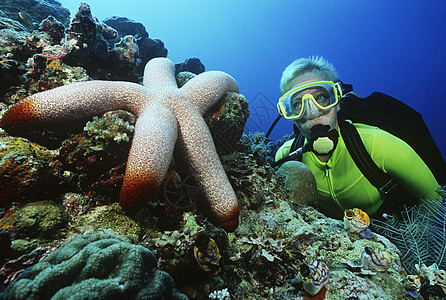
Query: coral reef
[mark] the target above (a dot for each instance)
(55, 45)
(72, 190)
(220, 295)
(184, 77)
(76, 204)
(257, 145)
(107, 129)
(262, 255)
(36, 10)
(293, 234)
(126, 51)
(419, 234)
(248, 178)
(14, 267)
(124, 26)
(21, 55)
(228, 122)
(165, 113)
(95, 265)
(272, 147)
(300, 182)
(5, 246)
(108, 217)
(40, 219)
(26, 169)
(226, 119)
(147, 48)
(193, 65)
(53, 27)
(87, 157)
(34, 224)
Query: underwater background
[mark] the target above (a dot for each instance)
(394, 47)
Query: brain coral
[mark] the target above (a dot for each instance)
(300, 181)
(95, 266)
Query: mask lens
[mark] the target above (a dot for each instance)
(320, 94)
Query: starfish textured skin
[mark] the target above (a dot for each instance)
(165, 114)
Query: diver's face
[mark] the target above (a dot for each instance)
(314, 115)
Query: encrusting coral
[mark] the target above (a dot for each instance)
(40, 219)
(164, 113)
(25, 168)
(95, 265)
(103, 146)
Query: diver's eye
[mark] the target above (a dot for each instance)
(297, 104)
(323, 100)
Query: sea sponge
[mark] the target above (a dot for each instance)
(95, 266)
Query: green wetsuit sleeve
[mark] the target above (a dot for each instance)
(396, 157)
(284, 150)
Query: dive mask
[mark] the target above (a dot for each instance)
(309, 97)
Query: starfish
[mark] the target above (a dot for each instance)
(165, 114)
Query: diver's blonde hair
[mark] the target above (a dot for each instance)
(314, 64)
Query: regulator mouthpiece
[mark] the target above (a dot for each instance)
(323, 141)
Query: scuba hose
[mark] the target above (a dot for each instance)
(323, 141)
(272, 126)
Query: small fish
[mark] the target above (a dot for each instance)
(26, 19)
(356, 220)
(207, 254)
(313, 276)
(375, 259)
(412, 283)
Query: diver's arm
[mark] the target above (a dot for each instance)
(396, 157)
(284, 150)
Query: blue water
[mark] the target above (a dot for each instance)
(395, 47)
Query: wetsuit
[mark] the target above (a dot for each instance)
(341, 185)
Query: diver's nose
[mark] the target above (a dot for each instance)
(311, 110)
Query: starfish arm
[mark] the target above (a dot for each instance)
(74, 101)
(159, 74)
(196, 141)
(205, 89)
(150, 155)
